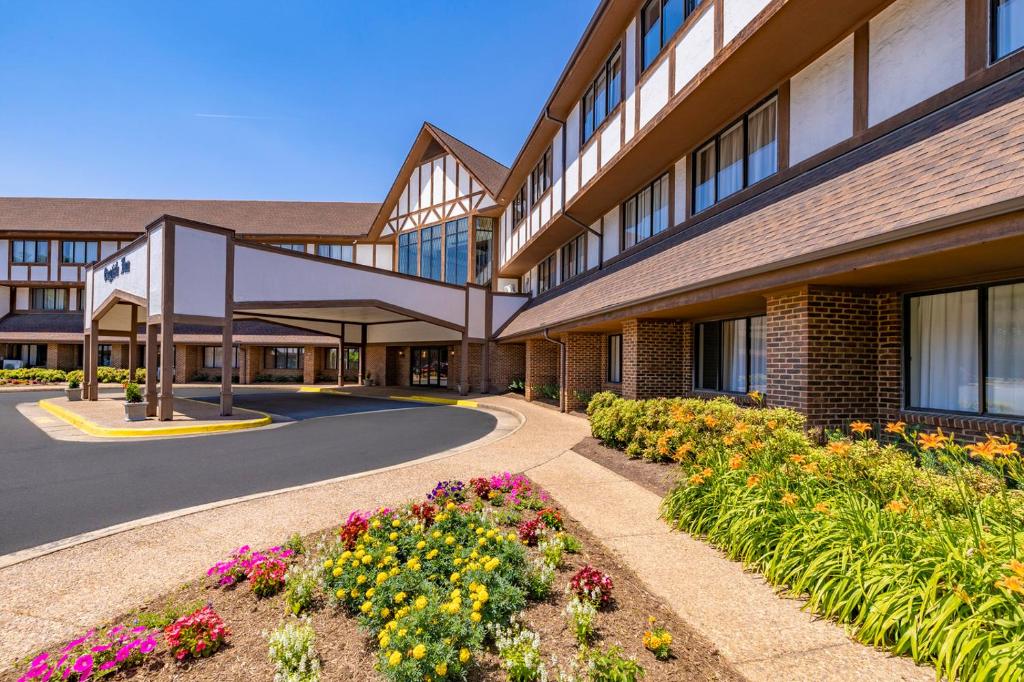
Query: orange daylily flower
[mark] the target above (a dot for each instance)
(810, 468)
(755, 445)
(860, 427)
(822, 508)
(735, 462)
(696, 479)
(741, 428)
(896, 507)
(789, 500)
(707, 472)
(962, 594)
(682, 451)
(1007, 449)
(985, 451)
(771, 424)
(932, 441)
(839, 447)
(797, 459)
(1011, 583)
(728, 440)
(753, 480)
(896, 427)
(1017, 567)
(710, 421)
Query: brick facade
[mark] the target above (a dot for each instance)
(657, 358)
(507, 362)
(187, 361)
(475, 366)
(541, 365)
(583, 361)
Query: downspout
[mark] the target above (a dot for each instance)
(562, 369)
(572, 218)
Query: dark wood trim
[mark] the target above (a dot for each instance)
(719, 25)
(227, 342)
(783, 125)
(133, 343)
(861, 47)
(165, 406)
(976, 35)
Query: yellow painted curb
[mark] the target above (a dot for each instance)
(321, 389)
(436, 401)
(94, 429)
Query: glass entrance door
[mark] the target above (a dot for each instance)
(429, 366)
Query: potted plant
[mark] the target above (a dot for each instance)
(74, 389)
(134, 406)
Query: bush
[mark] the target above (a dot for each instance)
(293, 653)
(590, 583)
(132, 393)
(517, 386)
(548, 391)
(300, 589)
(612, 666)
(74, 382)
(32, 375)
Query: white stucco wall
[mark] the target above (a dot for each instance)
(5, 301)
(611, 139)
(409, 332)
(654, 92)
(593, 247)
(679, 192)
(385, 256)
(200, 267)
(589, 161)
(821, 102)
(695, 49)
(916, 50)
(132, 282)
(503, 308)
(572, 150)
(737, 14)
(611, 233)
(21, 298)
(629, 95)
(156, 269)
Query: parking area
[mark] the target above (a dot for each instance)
(50, 490)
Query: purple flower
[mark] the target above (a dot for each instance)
(109, 665)
(40, 658)
(148, 645)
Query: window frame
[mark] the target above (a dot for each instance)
(624, 207)
(104, 350)
(412, 249)
(483, 249)
(519, 210)
(983, 351)
(274, 351)
(715, 140)
(608, 353)
(747, 352)
(86, 243)
(578, 246)
(456, 235)
(35, 248)
(546, 273)
(294, 247)
(207, 364)
(436, 235)
(325, 251)
(605, 73)
(540, 177)
(32, 296)
(689, 7)
(992, 33)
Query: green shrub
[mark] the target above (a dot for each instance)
(132, 393)
(32, 375)
(161, 618)
(611, 665)
(301, 589)
(548, 391)
(74, 382)
(517, 386)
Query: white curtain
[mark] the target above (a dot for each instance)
(734, 356)
(1004, 385)
(758, 355)
(660, 205)
(762, 134)
(730, 174)
(643, 223)
(704, 192)
(944, 351)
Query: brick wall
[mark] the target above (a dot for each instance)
(583, 360)
(187, 362)
(823, 353)
(541, 365)
(455, 366)
(309, 364)
(657, 358)
(507, 362)
(375, 363)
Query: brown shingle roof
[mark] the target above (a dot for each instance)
(488, 171)
(342, 219)
(964, 158)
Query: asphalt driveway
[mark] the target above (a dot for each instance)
(51, 490)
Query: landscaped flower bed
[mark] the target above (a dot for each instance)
(440, 588)
(40, 375)
(918, 544)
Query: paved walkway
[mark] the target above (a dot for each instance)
(764, 636)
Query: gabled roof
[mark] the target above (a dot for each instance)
(321, 218)
(485, 170)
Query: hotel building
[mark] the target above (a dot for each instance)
(821, 201)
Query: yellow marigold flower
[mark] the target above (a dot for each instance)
(482, 541)
(370, 592)
(475, 616)
(392, 536)
(400, 597)
(336, 572)
(394, 659)
(328, 563)
(421, 544)
(421, 602)
(385, 612)
(450, 540)
(360, 579)
(381, 577)
(1011, 583)
(394, 571)
(436, 534)
(340, 594)
(455, 577)
(821, 508)
(367, 558)
(860, 427)
(354, 593)
(419, 651)
(385, 639)
(431, 554)
(441, 668)
(896, 507)
(899, 427)
(492, 564)
(753, 480)
(450, 506)
(511, 535)
(789, 500)
(477, 606)
(375, 524)
(464, 655)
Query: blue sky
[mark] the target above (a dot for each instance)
(313, 101)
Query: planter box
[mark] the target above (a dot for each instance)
(135, 412)
(73, 394)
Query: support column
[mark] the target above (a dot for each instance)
(657, 360)
(165, 408)
(92, 360)
(151, 369)
(541, 366)
(464, 364)
(227, 368)
(133, 344)
(341, 358)
(85, 367)
(362, 357)
(309, 365)
(583, 375)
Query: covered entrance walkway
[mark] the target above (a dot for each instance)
(185, 272)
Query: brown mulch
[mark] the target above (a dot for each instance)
(347, 654)
(658, 477)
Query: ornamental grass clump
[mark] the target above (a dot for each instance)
(93, 655)
(197, 635)
(917, 543)
(292, 650)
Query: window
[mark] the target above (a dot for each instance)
(574, 257)
(103, 355)
(956, 337)
(345, 252)
(645, 214)
(79, 252)
(429, 366)
(540, 177)
(456, 251)
(546, 274)
(660, 19)
(430, 252)
(30, 252)
(213, 357)
(31, 355)
(49, 299)
(283, 358)
(744, 153)
(603, 95)
(407, 258)
(615, 359)
(731, 355)
(1007, 18)
(484, 244)
(299, 248)
(519, 206)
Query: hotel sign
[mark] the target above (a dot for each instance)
(117, 269)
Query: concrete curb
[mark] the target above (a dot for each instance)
(24, 555)
(93, 429)
(432, 400)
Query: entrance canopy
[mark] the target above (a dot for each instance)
(182, 271)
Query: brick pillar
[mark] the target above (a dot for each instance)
(823, 357)
(309, 365)
(186, 362)
(376, 364)
(119, 355)
(541, 365)
(657, 358)
(508, 362)
(583, 368)
(251, 362)
(890, 356)
(52, 356)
